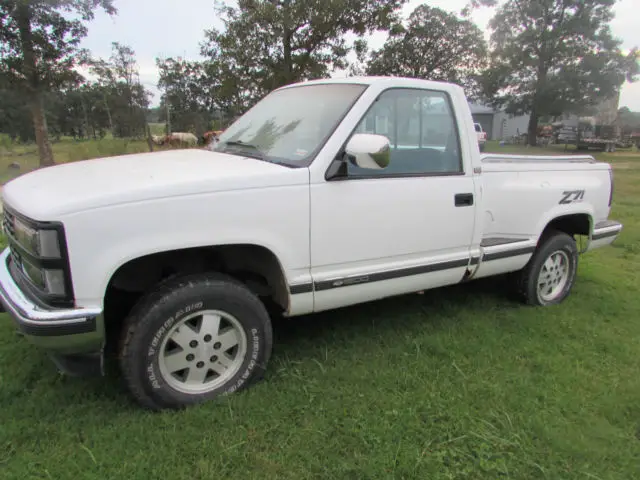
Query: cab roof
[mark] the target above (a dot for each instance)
(378, 81)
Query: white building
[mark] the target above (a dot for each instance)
(498, 124)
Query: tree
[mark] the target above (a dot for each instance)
(555, 56)
(269, 43)
(186, 94)
(629, 121)
(435, 45)
(15, 119)
(123, 96)
(39, 48)
(78, 112)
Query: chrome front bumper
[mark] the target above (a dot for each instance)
(37, 322)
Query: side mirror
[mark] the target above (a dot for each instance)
(369, 151)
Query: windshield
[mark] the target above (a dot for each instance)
(289, 126)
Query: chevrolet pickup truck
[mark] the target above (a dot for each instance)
(326, 193)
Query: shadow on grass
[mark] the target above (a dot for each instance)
(291, 339)
(432, 306)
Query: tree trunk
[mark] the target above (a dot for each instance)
(288, 60)
(85, 117)
(106, 106)
(147, 131)
(168, 124)
(36, 106)
(535, 115)
(533, 129)
(36, 102)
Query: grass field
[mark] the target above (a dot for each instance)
(458, 383)
(66, 150)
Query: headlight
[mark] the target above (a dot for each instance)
(41, 243)
(38, 258)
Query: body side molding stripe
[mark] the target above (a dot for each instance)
(496, 241)
(301, 288)
(403, 272)
(508, 253)
(389, 275)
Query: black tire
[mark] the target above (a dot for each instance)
(153, 317)
(550, 243)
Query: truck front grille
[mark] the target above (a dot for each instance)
(8, 223)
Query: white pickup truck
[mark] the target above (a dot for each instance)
(325, 194)
(482, 136)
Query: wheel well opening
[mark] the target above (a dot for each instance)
(576, 224)
(255, 266)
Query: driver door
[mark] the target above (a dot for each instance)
(404, 228)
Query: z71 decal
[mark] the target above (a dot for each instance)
(571, 196)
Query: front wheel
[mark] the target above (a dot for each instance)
(550, 274)
(194, 339)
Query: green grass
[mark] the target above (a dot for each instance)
(458, 383)
(66, 150)
(157, 128)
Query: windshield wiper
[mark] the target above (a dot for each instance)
(239, 143)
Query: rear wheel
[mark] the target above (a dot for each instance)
(550, 274)
(194, 339)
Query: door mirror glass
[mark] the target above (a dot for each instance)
(370, 151)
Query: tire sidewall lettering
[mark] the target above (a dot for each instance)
(244, 374)
(253, 342)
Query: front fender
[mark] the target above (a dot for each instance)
(101, 241)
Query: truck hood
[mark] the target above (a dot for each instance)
(51, 192)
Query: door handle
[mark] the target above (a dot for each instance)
(463, 199)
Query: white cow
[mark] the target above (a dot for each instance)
(182, 138)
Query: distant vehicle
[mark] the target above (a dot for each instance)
(592, 134)
(481, 135)
(360, 189)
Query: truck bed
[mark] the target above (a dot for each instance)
(520, 197)
(518, 188)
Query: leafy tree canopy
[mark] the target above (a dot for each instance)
(189, 94)
(269, 43)
(434, 45)
(123, 96)
(39, 48)
(555, 56)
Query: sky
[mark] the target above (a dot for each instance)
(168, 28)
